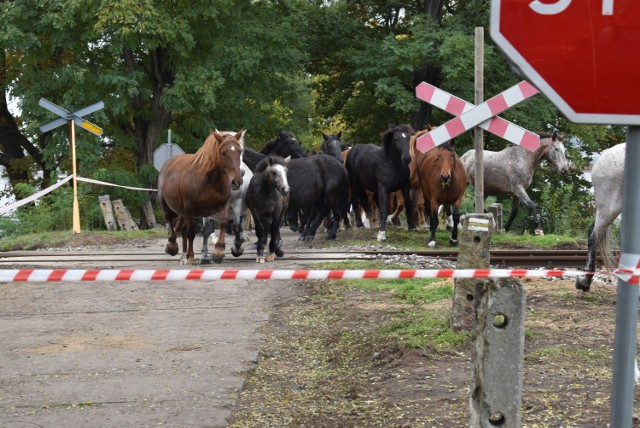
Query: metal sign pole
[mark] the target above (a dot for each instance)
(76, 209)
(624, 352)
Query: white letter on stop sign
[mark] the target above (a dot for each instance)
(561, 5)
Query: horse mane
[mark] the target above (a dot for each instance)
(208, 156)
(281, 135)
(413, 140)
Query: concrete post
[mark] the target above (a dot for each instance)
(124, 217)
(475, 246)
(496, 388)
(107, 212)
(496, 210)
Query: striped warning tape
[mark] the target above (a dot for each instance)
(90, 275)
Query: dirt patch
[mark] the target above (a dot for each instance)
(325, 363)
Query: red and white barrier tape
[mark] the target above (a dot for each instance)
(629, 268)
(89, 275)
(12, 206)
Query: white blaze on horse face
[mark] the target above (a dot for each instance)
(282, 172)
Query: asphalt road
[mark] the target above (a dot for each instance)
(132, 354)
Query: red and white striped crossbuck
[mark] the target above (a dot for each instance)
(482, 114)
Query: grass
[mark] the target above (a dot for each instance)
(34, 241)
(416, 327)
(400, 237)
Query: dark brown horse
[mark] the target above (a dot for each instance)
(442, 178)
(198, 185)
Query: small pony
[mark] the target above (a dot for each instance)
(442, 178)
(199, 185)
(267, 199)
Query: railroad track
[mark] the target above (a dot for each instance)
(499, 258)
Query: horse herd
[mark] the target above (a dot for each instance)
(224, 180)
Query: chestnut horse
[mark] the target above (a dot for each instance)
(199, 185)
(443, 180)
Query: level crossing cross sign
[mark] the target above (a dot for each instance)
(477, 116)
(584, 55)
(457, 106)
(72, 119)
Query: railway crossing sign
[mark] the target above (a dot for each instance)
(582, 54)
(496, 125)
(72, 119)
(76, 116)
(477, 115)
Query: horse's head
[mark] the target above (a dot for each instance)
(275, 172)
(555, 153)
(231, 156)
(284, 145)
(396, 140)
(332, 145)
(446, 161)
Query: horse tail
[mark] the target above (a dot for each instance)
(604, 245)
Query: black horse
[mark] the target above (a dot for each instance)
(332, 145)
(285, 144)
(381, 170)
(319, 187)
(267, 198)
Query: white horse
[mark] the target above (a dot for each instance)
(607, 178)
(237, 212)
(510, 171)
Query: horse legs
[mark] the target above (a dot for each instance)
(218, 249)
(383, 204)
(207, 230)
(188, 235)
(261, 233)
(274, 243)
(238, 232)
(316, 214)
(172, 245)
(584, 282)
(453, 240)
(433, 226)
(515, 202)
(408, 205)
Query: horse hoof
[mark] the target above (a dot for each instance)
(453, 242)
(271, 257)
(279, 252)
(204, 260)
(413, 229)
(539, 232)
(431, 244)
(294, 228)
(331, 237)
(216, 259)
(382, 237)
(583, 283)
(260, 259)
(237, 253)
(171, 249)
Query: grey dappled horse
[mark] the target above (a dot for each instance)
(510, 171)
(607, 177)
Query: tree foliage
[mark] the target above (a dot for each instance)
(306, 66)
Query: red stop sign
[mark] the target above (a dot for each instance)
(584, 55)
